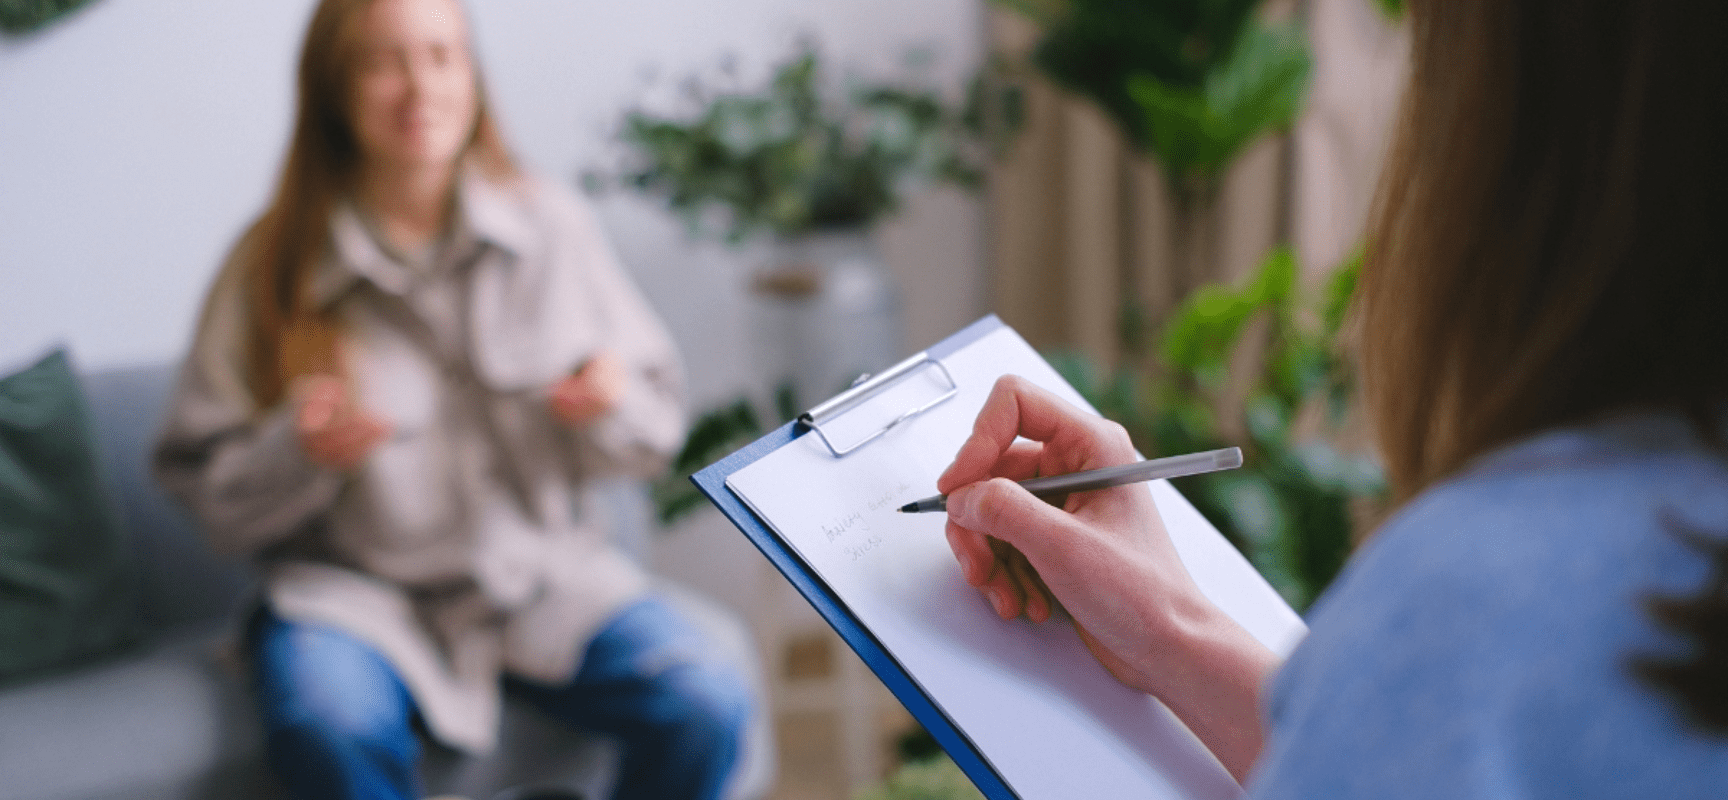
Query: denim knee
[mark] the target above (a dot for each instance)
(705, 706)
(338, 721)
(315, 760)
(335, 737)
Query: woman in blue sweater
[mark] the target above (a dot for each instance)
(1542, 343)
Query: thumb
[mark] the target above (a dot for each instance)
(317, 409)
(1001, 508)
(380, 428)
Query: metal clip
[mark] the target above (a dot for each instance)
(864, 389)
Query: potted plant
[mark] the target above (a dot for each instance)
(810, 166)
(1190, 84)
(796, 157)
(1292, 506)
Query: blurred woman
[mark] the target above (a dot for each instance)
(1542, 335)
(404, 372)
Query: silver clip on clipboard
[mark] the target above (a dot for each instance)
(895, 377)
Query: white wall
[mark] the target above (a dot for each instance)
(138, 136)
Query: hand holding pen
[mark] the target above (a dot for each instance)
(1104, 555)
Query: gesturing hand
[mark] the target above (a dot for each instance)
(590, 392)
(334, 430)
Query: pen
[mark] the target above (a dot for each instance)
(1059, 485)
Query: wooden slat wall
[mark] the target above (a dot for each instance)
(1079, 222)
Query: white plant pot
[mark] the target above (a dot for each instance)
(826, 310)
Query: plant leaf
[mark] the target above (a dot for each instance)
(1196, 131)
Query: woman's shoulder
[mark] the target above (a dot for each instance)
(1486, 629)
(1601, 492)
(1574, 521)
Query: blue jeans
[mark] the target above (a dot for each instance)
(339, 723)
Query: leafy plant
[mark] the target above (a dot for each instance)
(935, 778)
(1196, 132)
(24, 16)
(793, 156)
(715, 434)
(1191, 82)
(1289, 508)
(1093, 47)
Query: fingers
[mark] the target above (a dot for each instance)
(344, 445)
(1001, 574)
(590, 392)
(1017, 408)
(994, 563)
(1020, 462)
(321, 398)
(578, 407)
(972, 550)
(1000, 508)
(605, 373)
(333, 429)
(1025, 587)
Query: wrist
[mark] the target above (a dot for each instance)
(1209, 671)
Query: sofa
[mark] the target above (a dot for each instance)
(168, 717)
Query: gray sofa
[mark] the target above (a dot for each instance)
(168, 719)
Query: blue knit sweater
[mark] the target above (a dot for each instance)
(1478, 646)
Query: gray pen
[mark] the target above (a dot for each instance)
(1059, 485)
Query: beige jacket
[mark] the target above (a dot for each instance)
(458, 548)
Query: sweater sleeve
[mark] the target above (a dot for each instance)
(239, 470)
(1478, 645)
(639, 436)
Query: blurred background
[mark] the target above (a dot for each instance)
(1157, 193)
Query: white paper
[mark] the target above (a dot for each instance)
(1041, 711)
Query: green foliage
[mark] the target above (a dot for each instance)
(789, 158)
(1289, 507)
(715, 434)
(23, 16)
(916, 744)
(1195, 132)
(1190, 81)
(1092, 47)
(930, 779)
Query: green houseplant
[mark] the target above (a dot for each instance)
(25, 16)
(714, 434)
(1290, 509)
(796, 156)
(811, 166)
(932, 778)
(1189, 82)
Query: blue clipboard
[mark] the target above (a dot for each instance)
(712, 482)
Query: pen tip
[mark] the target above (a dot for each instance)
(906, 509)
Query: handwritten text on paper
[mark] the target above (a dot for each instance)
(852, 532)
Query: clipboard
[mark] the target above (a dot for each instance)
(712, 482)
(824, 423)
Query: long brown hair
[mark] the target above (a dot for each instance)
(287, 335)
(1545, 244)
(1545, 249)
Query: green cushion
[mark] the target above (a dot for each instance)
(66, 589)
